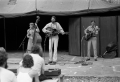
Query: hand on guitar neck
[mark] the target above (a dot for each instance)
(64, 33)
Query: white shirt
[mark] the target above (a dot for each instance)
(7, 75)
(95, 29)
(39, 63)
(55, 25)
(23, 77)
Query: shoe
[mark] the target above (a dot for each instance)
(50, 62)
(53, 63)
(95, 59)
(88, 59)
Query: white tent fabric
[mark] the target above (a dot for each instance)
(100, 4)
(62, 5)
(21, 6)
(72, 5)
(13, 7)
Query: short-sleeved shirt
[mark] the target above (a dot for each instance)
(7, 75)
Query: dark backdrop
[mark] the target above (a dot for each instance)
(16, 29)
(118, 36)
(2, 39)
(108, 32)
(74, 36)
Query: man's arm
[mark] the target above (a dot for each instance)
(97, 29)
(85, 31)
(45, 28)
(60, 28)
(37, 29)
(29, 35)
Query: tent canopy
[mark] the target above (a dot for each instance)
(21, 7)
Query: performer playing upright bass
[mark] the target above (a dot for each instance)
(91, 33)
(34, 36)
(53, 29)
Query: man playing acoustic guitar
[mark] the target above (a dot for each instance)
(53, 29)
(91, 33)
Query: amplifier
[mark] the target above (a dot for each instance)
(52, 72)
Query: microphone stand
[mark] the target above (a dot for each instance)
(83, 60)
(22, 43)
(81, 54)
(44, 46)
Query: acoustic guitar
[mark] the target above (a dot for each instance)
(89, 35)
(53, 32)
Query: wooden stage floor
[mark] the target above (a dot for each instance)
(102, 67)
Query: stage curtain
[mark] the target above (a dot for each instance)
(74, 36)
(108, 31)
(118, 36)
(2, 33)
(85, 22)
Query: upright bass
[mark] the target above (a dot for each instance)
(36, 36)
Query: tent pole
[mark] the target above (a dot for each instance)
(36, 5)
(89, 4)
(4, 33)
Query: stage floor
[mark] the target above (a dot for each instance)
(102, 67)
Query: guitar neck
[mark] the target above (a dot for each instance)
(66, 32)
